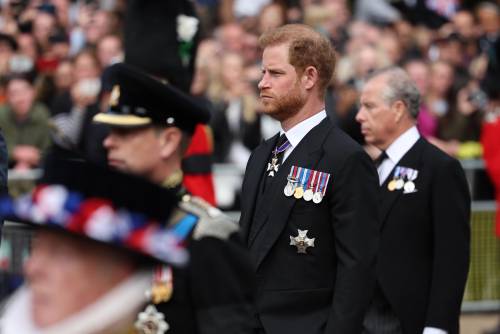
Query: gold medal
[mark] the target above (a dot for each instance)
(392, 185)
(299, 192)
(161, 292)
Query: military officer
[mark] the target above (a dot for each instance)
(151, 125)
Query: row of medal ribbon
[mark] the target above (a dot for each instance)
(398, 181)
(306, 184)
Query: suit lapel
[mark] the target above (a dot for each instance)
(255, 170)
(412, 160)
(275, 212)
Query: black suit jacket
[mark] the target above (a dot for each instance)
(328, 289)
(424, 246)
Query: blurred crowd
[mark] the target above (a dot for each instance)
(53, 54)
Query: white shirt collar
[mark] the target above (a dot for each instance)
(296, 133)
(402, 144)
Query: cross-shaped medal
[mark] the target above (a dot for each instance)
(302, 242)
(272, 167)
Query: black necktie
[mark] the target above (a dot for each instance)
(380, 159)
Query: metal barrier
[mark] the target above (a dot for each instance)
(482, 292)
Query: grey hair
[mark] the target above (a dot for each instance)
(400, 87)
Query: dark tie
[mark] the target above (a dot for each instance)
(380, 159)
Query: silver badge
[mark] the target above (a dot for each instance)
(308, 195)
(317, 197)
(150, 321)
(302, 242)
(409, 187)
(289, 189)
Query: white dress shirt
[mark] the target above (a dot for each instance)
(396, 151)
(299, 131)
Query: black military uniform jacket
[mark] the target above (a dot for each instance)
(328, 289)
(214, 293)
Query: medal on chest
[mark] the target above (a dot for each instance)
(302, 242)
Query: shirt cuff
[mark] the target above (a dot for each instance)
(433, 330)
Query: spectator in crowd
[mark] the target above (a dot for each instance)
(488, 17)
(439, 100)
(73, 109)
(100, 24)
(379, 11)
(391, 47)
(109, 50)
(463, 23)
(147, 138)
(44, 26)
(25, 123)
(63, 77)
(271, 16)
(418, 71)
(8, 47)
(85, 85)
(4, 168)
(230, 37)
(309, 212)
(423, 259)
(235, 122)
(27, 46)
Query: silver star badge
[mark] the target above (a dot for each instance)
(151, 322)
(301, 241)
